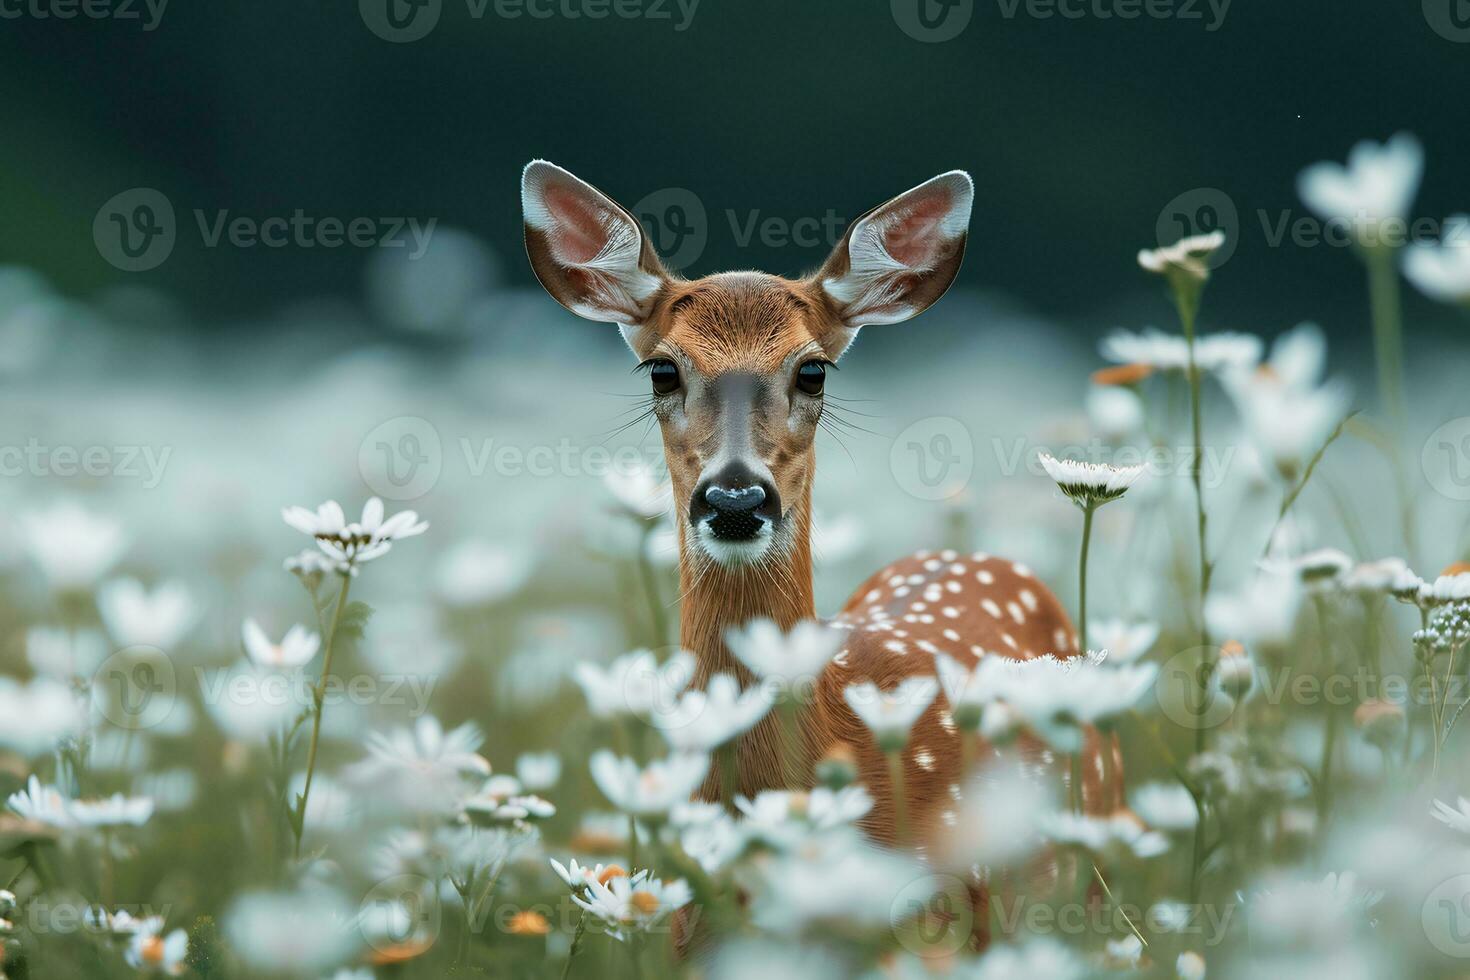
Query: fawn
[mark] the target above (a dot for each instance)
(737, 363)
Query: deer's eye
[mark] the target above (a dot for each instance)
(811, 376)
(665, 376)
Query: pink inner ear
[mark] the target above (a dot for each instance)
(579, 232)
(913, 238)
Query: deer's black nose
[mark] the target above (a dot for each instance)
(735, 500)
(735, 503)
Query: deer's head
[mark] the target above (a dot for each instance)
(737, 360)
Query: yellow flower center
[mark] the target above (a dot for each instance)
(645, 902)
(152, 952)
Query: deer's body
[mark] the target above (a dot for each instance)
(737, 363)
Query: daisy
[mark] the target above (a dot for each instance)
(61, 653)
(1166, 806)
(292, 932)
(638, 491)
(538, 770)
(72, 546)
(1215, 352)
(1455, 817)
(136, 617)
(502, 801)
(37, 715)
(150, 951)
(423, 767)
(890, 715)
(651, 791)
(1261, 614)
(1452, 587)
(702, 721)
(353, 544)
(43, 804)
(1318, 570)
(782, 816)
(626, 906)
(967, 697)
(633, 684)
(793, 660)
(1090, 484)
(295, 649)
(113, 811)
(1442, 271)
(579, 876)
(1375, 188)
(1386, 576)
(1188, 258)
(1055, 698)
(1104, 836)
(1124, 642)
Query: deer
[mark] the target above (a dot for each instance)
(737, 363)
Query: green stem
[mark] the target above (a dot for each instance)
(632, 844)
(318, 698)
(650, 588)
(900, 802)
(1087, 511)
(566, 971)
(1383, 297)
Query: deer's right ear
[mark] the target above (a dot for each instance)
(588, 251)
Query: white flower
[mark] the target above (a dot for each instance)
(136, 618)
(782, 818)
(890, 715)
(627, 906)
(833, 879)
(252, 703)
(61, 654)
(424, 768)
(996, 825)
(1124, 642)
(702, 721)
(41, 803)
(1125, 951)
(1055, 698)
(1445, 588)
(1167, 806)
(1442, 271)
(1455, 817)
(35, 715)
(295, 932)
(1287, 414)
(963, 689)
(1188, 257)
(638, 490)
(295, 650)
(538, 770)
(792, 660)
(1090, 484)
(634, 684)
(113, 811)
(501, 800)
(1035, 958)
(648, 791)
(1190, 966)
(151, 951)
(362, 541)
(72, 546)
(1170, 352)
(1386, 576)
(1115, 412)
(836, 539)
(1375, 188)
(1324, 568)
(1260, 614)
(578, 876)
(476, 572)
(1104, 836)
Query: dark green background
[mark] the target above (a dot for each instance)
(1078, 131)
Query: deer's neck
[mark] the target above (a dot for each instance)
(716, 598)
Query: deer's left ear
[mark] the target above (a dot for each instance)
(897, 259)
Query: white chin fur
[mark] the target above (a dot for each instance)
(731, 553)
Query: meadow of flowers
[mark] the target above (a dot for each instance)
(342, 660)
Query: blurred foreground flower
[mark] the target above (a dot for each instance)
(652, 790)
(702, 721)
(295, 649)
(1215, 352)
(422, 768)
(1376, 187)
(72, 546)
(136, 617)
(36, 715)
(634, 684)
(1442, 271)
(793, 660)
(890, 715)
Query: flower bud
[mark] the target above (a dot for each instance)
(1234, 671)
(838, 767)
(1381, 722)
